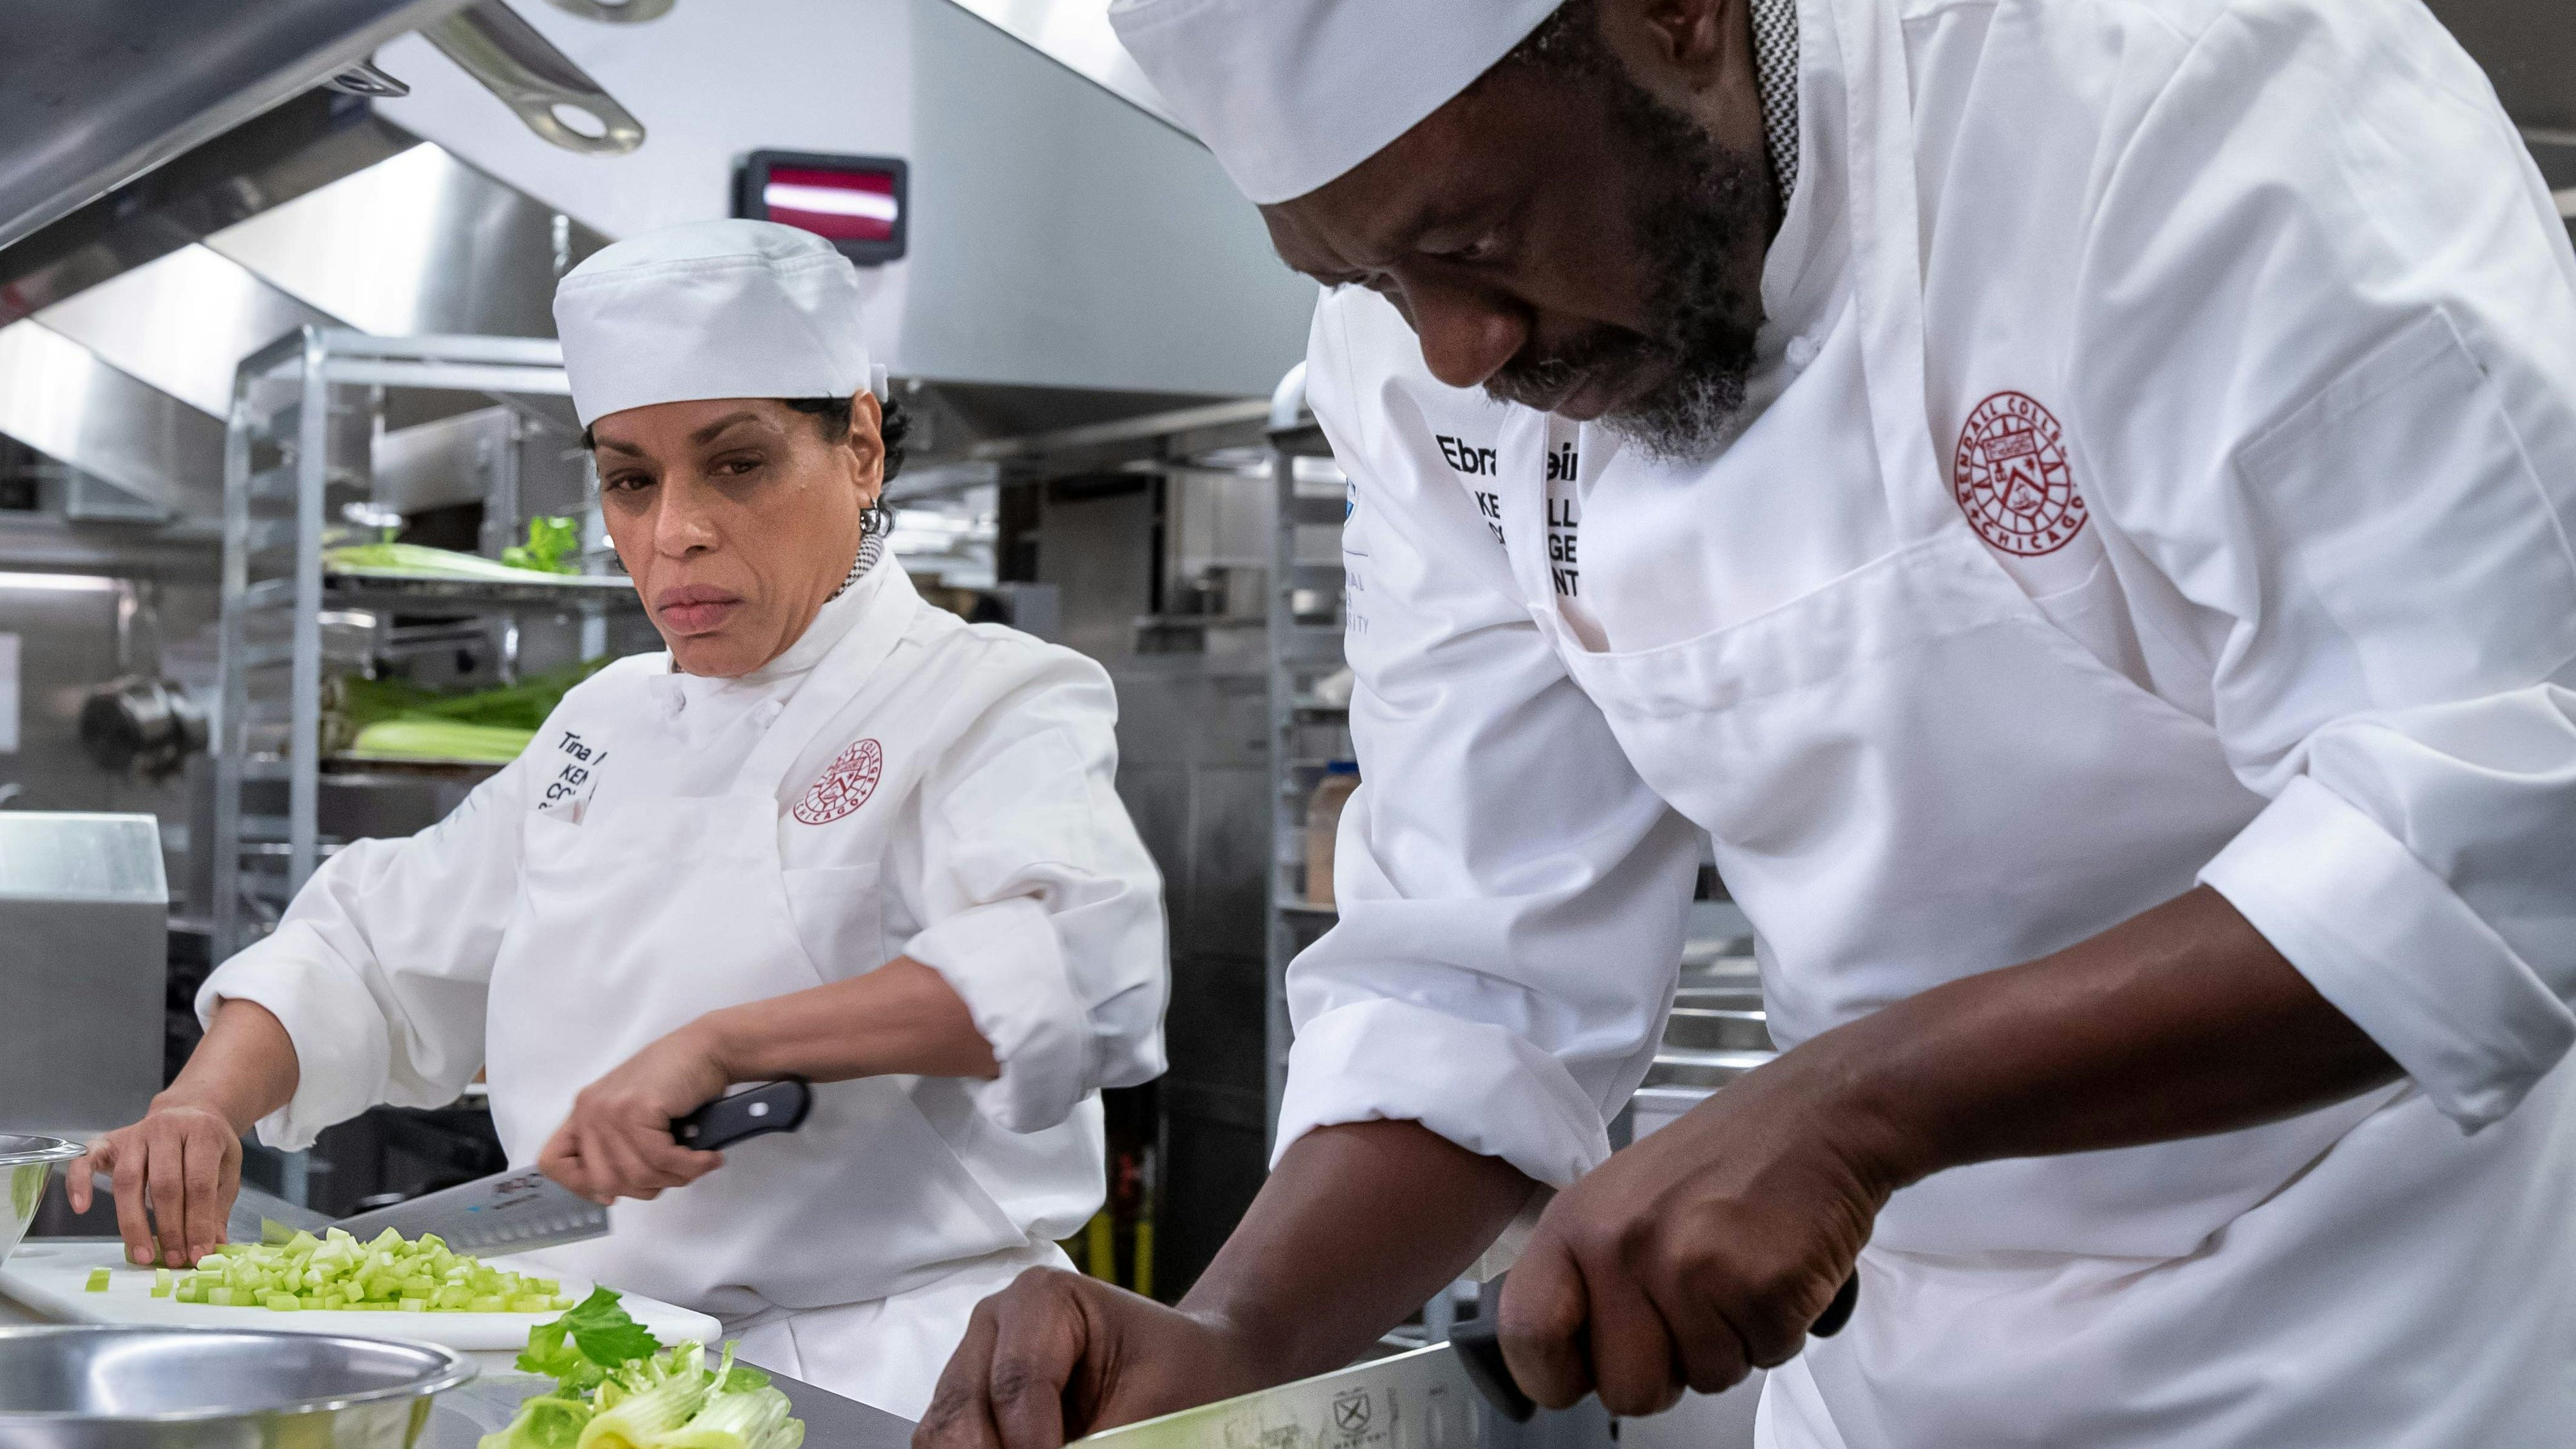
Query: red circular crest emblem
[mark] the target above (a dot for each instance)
(2012, 478)
(844, 787)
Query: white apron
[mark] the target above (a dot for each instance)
(650, 912)
(1912, 774)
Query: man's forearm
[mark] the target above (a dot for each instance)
(2181, 1022)
(902, 1018)
(1358, 1226)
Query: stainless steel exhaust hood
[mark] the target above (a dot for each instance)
(95, 94)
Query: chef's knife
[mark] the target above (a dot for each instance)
(511, 1211)
(514, 1210)
(1480, 1346)
(1431, 1398)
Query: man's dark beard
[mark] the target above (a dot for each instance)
(1696, 203)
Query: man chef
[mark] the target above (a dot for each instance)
(832, 832)
(2073, 498)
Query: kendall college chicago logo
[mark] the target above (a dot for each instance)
(2012, 479)
(845, 786)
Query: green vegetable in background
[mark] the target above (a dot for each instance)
(391, 719)
(438, 739)
(551, 542)
(420, 561)
(616, 1387)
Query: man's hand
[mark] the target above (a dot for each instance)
(1710, 1246)
(1355, 1228)
(617, 1142)
(187, 1160)
(1693, 1257)
(1057, 1355)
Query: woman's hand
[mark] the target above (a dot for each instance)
(617, 1142)
(187, 1158)
(186, 1153)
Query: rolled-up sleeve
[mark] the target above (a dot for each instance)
(2332, 352)
(1511, 894)
(380, 967)
(1043, 910)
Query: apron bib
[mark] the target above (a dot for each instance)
(652, 911)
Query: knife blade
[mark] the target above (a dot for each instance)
(1418, 1400)
(1430, 1398)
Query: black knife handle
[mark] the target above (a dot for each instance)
(778, 1106)
(1480, 1353)
(1480, 1346)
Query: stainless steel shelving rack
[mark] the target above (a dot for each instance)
(1307, 616)
(296, 446)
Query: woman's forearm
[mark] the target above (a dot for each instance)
(243, 1070)
(902, 1018)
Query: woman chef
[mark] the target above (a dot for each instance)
(2074, 499)
(833, 832)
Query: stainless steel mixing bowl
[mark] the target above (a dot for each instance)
(24, 1162)
(210, 1388)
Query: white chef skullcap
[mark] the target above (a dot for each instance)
(711, 309)
(1292, 93)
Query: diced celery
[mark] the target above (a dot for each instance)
(97, 1280)
(280, 1302)
(532, 1303)
(489, 1303)
(163, 1282)
(414, 1305)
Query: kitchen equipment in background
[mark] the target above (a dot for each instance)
(857, 203)
(25, 1162)
(1323, 822)
(615, 12)
(142, 725)
(84, 926)
(127, 1388)
(556, 98)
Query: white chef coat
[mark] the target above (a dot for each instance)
(897, 783)
(2242, 337)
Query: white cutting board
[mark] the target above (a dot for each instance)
(51, 1278)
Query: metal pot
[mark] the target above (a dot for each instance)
(24, 1165)
(206, 1388)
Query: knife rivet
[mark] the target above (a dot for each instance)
(760, 1109)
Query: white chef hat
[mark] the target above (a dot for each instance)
(1292, 93)
(711, 309)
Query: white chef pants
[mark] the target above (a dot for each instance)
(887, 1352)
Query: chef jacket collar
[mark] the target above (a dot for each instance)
(676, 692)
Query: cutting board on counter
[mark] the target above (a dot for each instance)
(50, 1277)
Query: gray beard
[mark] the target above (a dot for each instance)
(1696, 203)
